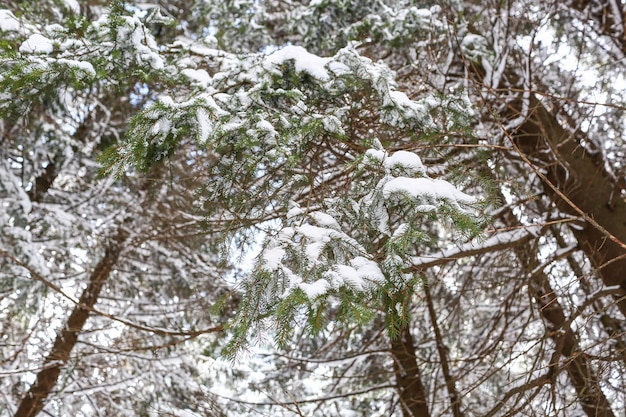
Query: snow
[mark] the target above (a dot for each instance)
(233, 125)
(203, 50)
(368, 269)
(213, 106)
(314, 289)
(295, 211)
(375, 154)
(136, 32)
(205, 127)
(303, 61)
(495, 242)
(201, 77)
(325, 220)
(161, 126)
(82, 65)
(37, 44)
(8, 21)
(12, 183)
(408, 161)
(401, 230)
(265, 126)
(401, 99)
(418, 187)
(425, 208)
(474, 46)
(359, 275)
(72, 5)
(344, 274)
(272, 258)
(333, 125)
(318, 238)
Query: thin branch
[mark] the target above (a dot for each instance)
(58, 290)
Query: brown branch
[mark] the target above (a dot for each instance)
(161, 332)
(33, 402)
(495, 243)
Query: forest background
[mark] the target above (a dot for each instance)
(314, 208)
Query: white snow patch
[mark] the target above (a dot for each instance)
(8, 21)
(201, 77)
(470, 248)
(72, 5)
(37, 44)
(325, 220)
(82, 65)
(416, 187)
(318, 238)
(136, 32)
(295, 211)
(272, 258)
(265, 126)
(213, 106)
(360, 274)
(408, 161)
(314, 289)
(400, 230)
(161, 126)
(333, 125)
(205, 127)
(400, 99)
(203, 50)
(368, 269)
(375, 154)
(303, 61)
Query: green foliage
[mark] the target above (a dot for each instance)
(40, 83)
(288, 130)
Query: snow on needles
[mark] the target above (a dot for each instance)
(8, 21)
(316, 255)
(37, 44)
(419, 187)
(356, 271)
(408, 161)
(402, 167)
(305, 61)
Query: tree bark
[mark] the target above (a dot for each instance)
(608, 15)
(585, 382)
(582, 178)
(33, 402)
(408, 381)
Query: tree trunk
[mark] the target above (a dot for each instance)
(33, 402)
(585, 382)
(455, 398)
(582, 178)
(408, 381)
(581, 373)
(609, 17)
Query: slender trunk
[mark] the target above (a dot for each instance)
(585, 382)
(408, 381)
(455, 399)
(580, 372)
(613, 327)
(33, 402)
